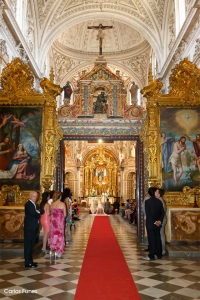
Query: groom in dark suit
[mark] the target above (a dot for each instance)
(31, 227)
(154, 218)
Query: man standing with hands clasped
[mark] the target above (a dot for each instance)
(154, 218)
(31, 227)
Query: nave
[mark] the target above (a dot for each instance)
(171, 278)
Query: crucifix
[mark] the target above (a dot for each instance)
(100, 29)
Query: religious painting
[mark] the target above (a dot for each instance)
(180, 142)
(20, 147)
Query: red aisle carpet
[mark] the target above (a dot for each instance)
(105, 274)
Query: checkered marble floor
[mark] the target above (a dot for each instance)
(172, 278)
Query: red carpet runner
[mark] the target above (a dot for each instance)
(105, 274)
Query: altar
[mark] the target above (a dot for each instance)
(90, 199)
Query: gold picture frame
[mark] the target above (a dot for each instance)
(184, 93)
(17, 92)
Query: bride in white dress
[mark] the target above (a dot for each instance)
(100, 208)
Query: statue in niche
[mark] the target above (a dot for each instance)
(100, 106)
(67, 91)
(134, 93)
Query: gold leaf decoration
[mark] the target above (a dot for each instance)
(50, 88)
(185, 82)
(17, 81)
(153, 89)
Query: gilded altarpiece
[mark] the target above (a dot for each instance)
(100, 94)
(101, 173)
(29, 125)
(172, 141)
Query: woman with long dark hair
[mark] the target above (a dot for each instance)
(45, 219)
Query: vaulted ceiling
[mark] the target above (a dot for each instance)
(72, 47)
(117, 40)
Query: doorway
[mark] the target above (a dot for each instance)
(91, 166)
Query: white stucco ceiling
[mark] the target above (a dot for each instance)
(117, 39)
(71, 46)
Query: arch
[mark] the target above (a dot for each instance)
(94, 151)
(134, 76)
(70, 180)
(153, 39)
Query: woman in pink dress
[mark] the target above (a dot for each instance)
(57, 225)
(45, 219)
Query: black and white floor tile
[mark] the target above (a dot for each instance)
(172, 278)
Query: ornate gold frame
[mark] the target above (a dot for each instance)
(184, 93)
(17, 90)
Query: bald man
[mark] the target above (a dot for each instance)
(31, 227)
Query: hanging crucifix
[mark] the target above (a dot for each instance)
(100, 29)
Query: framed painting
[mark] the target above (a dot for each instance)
(20, 146)
(180, 147)
(29, 133)
(171, 135)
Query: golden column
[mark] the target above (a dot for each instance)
(87, 181)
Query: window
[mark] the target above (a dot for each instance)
(179, 14)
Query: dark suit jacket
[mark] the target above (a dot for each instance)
(31, 220)
(107, 205)
(116, 205)
(154, 212)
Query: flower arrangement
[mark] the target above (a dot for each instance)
(93, 193)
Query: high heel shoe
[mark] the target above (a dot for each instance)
(51, 253)
(57, 255)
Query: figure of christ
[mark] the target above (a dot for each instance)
(175, 158)
(196, 147)
(100, 29)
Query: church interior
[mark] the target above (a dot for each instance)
(102, 98)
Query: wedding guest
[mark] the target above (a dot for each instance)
(133, 214)
(31, 228)
(57, 225)
(51, 197)
(154, 218)
(45, 219)
(144, 214)
(107, 206)
(68, 203)
(162, 230)
(116, 205)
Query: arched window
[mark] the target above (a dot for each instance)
(179, 14)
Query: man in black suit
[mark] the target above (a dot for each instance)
(154, 218)
(31, 227)
(116, 206)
